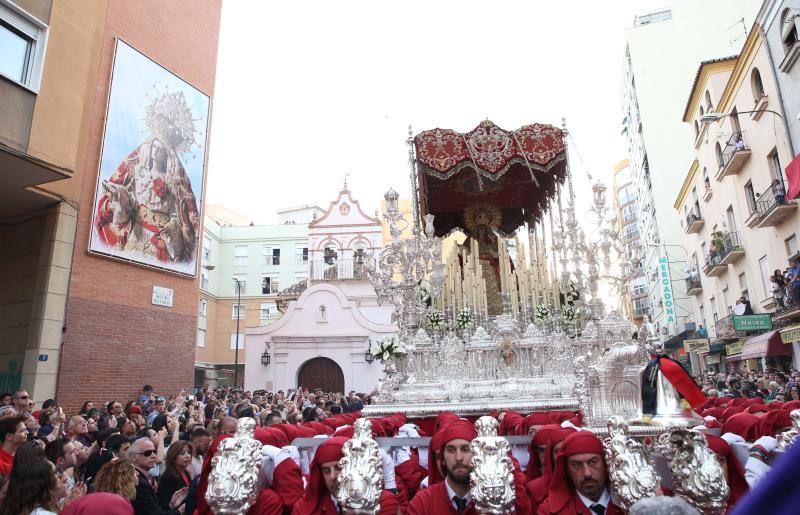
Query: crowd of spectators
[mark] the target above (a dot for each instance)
(148, 450)
(770, 386)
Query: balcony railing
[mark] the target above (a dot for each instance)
(732, 248)
(630, 236)
(789, 311)
(772, 207)
(694, 221)
(640, 311)
(734, 155)
(693, 285)
(340, 270)
(628, 218)
(725, 331)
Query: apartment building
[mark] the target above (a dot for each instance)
(738, 226)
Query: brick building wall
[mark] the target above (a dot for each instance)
(115, 339)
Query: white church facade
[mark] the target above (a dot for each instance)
(322, 338)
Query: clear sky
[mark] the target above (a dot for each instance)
(307, 91)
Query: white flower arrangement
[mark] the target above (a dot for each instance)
(569, 313)
(464, 319)
(542, 314)
(435, 319)
(387, 347)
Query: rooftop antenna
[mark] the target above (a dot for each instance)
(740, 36)
(346, 174)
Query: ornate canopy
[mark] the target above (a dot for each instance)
(515, 171)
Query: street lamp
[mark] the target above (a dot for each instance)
(238, 316)
(266, 358)
(368, 357)
(713, 117)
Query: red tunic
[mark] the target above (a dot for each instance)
(287, 483)
(434, 501)
(408, 476)
(575, 507)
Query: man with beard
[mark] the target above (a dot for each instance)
(453, 494)
(579, 484)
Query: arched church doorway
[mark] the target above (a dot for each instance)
(321, 373)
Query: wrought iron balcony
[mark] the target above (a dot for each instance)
(340, 270)
(790, 311)
(694, 221)
(708, 193)
(713, 267)
(725, 331)
(731, 250)
(693, 285)
(734, 156)
(773, 208)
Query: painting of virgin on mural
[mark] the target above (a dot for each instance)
(147, 203)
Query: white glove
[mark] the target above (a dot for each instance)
(709, 419)
(401, 455)
(767, 442)
(567, 423)
(267, 471)
(389, 482)
(424, 483)
(731, 438)
(423, 457)
(408, 431)
(290, 452)
(304, 463)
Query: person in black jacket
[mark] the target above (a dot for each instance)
(176, 476)
(143, 454)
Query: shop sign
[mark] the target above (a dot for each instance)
(713, 359)
(791, 335)
(697, 345)
(734, 348)
(752, 322)
(666, 290)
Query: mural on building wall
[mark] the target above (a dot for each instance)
(147, 203)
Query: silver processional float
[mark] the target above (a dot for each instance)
(496, 303)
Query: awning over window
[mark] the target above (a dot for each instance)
(767, 344)
(793, 175)
(734, 357)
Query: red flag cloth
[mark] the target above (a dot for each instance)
(682, 382)
(736, 481)
(793, 175)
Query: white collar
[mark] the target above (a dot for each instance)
(605, 498)
(451, 493)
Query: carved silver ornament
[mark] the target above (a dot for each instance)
(233, 479)
(697, 476)
(631, 473)
(492, 477)
(361, 475)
